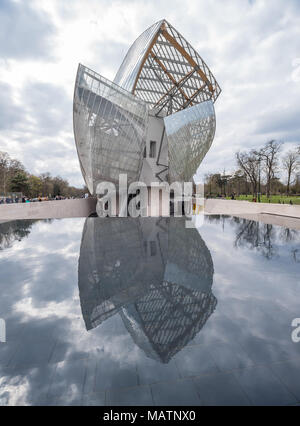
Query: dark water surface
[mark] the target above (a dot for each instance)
(147, 312)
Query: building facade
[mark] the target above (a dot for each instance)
(155, 122)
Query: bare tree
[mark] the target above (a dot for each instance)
(208, 182)
(249, 164)
(290, 163)
(238, 181)
(4, 168)
(9, 167)
(269, 155)
(47, 184)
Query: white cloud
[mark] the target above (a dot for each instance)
(252, 47)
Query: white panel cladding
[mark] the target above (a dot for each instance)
(155, 169)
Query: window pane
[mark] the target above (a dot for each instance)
(152, 149)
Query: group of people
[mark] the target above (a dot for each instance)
(11, 200)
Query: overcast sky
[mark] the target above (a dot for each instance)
(251, 46)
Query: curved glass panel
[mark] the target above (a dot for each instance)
(190, 134)
(110, 129)
(129, 69)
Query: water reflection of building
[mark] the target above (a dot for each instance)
(155, 273)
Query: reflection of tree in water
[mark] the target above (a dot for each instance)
(13, 231)
(256, 235)
(288, 235)
(296, 255)
(259, 236)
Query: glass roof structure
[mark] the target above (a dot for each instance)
(162, 75)
(164, 70)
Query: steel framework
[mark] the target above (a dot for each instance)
(164, 70)
(161, 76)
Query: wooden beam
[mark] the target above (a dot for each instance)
(190, 60)
(168, 74)
(146, 56)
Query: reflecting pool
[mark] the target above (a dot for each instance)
(147, 312)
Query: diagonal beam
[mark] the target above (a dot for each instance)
(190, 60)
(194, 96)
(178, 86)
(146, 57)
(168, 74)
(160, 79)
(165, 103)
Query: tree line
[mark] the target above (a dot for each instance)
(257, 172)
(261, 237)
(15, 178)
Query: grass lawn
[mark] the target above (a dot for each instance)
(273, 199)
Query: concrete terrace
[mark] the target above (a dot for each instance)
(274, 214)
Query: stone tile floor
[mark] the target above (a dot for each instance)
(193, 377)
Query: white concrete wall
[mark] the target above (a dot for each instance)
(232, 207)
(48, 209)
(150, 168)
(277, 214)
(274, 214)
